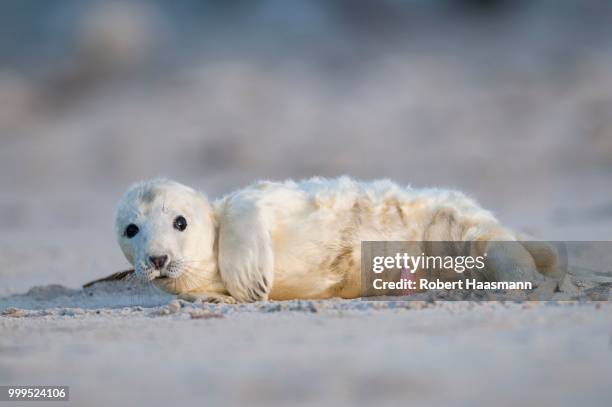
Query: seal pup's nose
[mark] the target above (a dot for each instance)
(158, 261)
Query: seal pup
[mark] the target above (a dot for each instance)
(298, 240)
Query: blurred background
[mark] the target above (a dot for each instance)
(510, 101)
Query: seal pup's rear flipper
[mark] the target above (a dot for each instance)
(120, 275)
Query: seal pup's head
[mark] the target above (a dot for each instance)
(167, 232)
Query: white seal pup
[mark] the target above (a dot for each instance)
(291, 240)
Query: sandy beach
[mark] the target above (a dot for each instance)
(126, 342)
(510, 106)
(335, 352)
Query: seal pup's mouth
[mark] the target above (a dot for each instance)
(157, 276)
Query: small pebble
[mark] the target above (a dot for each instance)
(203, 314)
(174, 306)
(160, 312)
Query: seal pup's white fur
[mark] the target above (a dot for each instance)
(288, 240)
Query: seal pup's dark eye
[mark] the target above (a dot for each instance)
(180, 223)
(131, 230)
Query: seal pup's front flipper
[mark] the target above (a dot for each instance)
(120, 275)
(246, 260)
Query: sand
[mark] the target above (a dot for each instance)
(124, 343)
(514, 112)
